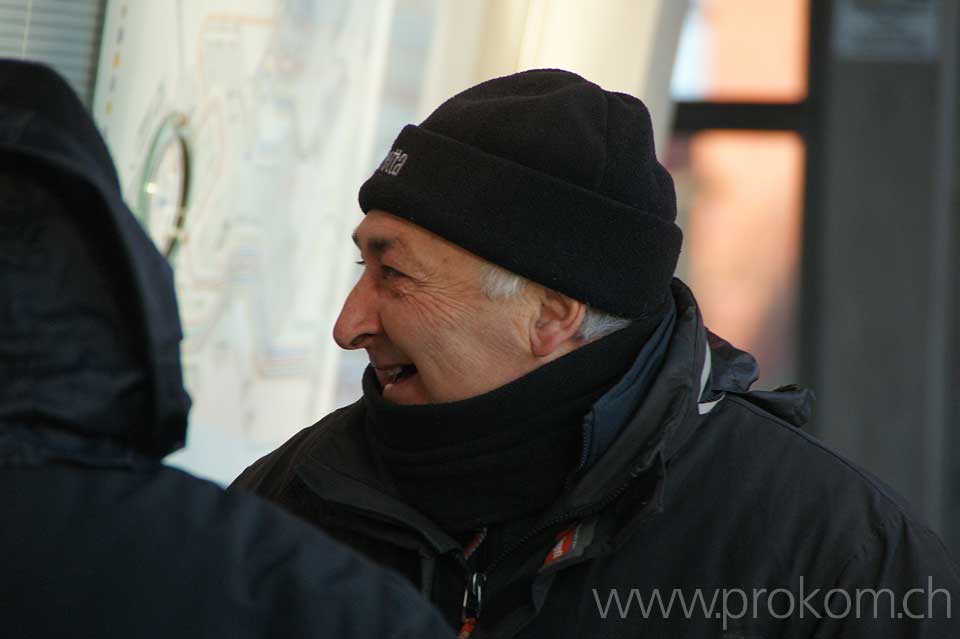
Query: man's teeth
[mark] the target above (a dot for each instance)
(396, 372)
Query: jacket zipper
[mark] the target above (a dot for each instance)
(473, 597)
(476, 581)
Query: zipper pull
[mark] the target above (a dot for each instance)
(473, 598)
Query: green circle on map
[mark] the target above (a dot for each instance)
(164, 191)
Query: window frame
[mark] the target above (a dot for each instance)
(801, 117)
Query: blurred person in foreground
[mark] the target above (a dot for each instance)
(98, 538)
(549, 438)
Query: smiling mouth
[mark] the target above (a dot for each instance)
(396, 374)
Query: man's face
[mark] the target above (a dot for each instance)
(418, 310)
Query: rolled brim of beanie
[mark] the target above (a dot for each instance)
(592, 248)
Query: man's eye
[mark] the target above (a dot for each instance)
(386, 272)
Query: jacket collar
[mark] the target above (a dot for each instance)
(665, 419)
(608, 415)
(23, 446)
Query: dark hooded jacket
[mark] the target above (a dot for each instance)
(98, 538)
(709, 500)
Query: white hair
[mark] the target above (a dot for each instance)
(500, 284)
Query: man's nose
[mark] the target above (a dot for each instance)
(359, 318)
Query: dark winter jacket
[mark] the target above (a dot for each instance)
(710, 500)
(97, 537)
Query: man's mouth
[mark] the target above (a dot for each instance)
(396, 374)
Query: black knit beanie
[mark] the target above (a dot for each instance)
(548, 176)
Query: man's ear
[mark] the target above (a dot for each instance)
(558, 321)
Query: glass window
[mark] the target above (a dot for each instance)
(743, 51)
(740, 199)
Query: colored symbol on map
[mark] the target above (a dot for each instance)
(164, 191)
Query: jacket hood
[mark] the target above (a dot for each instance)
(734, 371)
(90, 335)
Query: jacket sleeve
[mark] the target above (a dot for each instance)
(902, 584)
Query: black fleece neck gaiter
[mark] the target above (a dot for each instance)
(502, 455)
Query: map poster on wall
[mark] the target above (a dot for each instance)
(241, 130)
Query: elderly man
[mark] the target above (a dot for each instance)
(549, 441)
